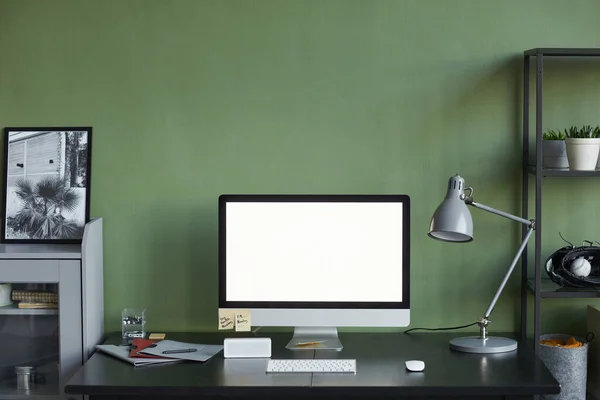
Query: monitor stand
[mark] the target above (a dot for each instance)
(326, 338)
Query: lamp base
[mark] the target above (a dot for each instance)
(491, 344)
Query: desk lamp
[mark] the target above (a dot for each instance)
(452, 222)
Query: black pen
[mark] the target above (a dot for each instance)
(179, 351)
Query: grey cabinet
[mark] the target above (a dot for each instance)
(54, 316)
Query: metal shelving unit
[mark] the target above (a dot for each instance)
(559, 172)
(542, 288)
(550, 290)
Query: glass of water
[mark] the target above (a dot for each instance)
(133, 323)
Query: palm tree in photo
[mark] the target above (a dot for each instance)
(42, 207)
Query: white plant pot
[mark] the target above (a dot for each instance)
(555, 154)
(582, 153)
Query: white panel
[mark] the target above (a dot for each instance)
(314, 251)
(93, 286)
(69, 303)
(40, 150)
(29, 271)
(16, 155)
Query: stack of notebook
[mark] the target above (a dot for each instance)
(145, 351)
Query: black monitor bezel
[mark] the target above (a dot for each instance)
(395, 198)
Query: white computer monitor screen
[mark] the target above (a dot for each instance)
(315, 251)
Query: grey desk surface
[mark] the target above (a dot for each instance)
(380, 371)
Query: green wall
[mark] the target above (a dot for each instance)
(190, 99)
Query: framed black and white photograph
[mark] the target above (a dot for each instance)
(46, 184)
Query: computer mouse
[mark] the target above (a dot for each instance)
(415, 365)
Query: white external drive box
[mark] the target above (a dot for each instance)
(247, 348)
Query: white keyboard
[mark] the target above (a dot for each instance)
(318, 366)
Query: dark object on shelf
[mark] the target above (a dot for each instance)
(559, 270)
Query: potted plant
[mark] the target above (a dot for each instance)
(554, 149)
(583, 147)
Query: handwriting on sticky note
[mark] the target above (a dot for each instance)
(242, 321)
(226, 319)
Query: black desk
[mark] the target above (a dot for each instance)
(380, 372)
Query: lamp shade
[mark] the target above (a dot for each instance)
(452, 221)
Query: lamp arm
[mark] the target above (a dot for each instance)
(530, 227)
(469, 201)
(484, 321)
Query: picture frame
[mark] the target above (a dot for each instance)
(46, 191)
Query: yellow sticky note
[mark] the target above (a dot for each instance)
(226, 319)
(242, 321)
(157, 336)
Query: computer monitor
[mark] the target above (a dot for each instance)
(316, 262)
